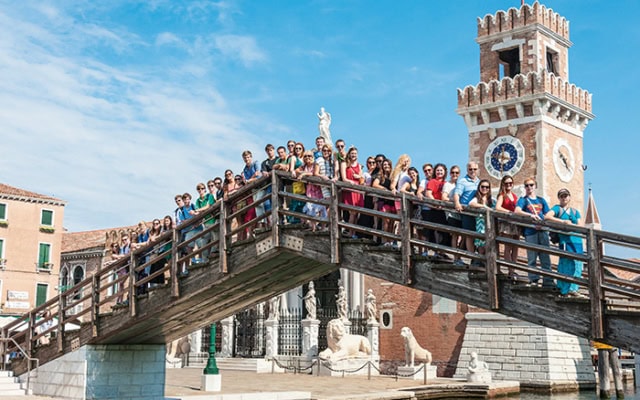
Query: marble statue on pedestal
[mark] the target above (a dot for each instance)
(478, 370)
(412, 350)
(310, 301)
(343, 345)
(323, 125)
(370, 306)
(341, 304)
(274, 308)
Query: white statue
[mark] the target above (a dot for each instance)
(478, 370)
(341, 304)
(371, 307)
(412, 349)
(324, 124)
(343, 345)
(274, 308)
(310, 302)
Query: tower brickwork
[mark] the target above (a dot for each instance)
(524, 117)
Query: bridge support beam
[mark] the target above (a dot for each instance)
(105, 372)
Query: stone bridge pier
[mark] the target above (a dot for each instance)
(105, 371)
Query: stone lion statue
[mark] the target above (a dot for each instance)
(178, 350)
(412, 350)
(343, 345)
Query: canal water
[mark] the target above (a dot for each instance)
(629, 394)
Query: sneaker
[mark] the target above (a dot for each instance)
(535, 283)
(459, 263)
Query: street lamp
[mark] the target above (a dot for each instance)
(212, 367)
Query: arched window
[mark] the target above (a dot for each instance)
(64, 279)
(78, 276)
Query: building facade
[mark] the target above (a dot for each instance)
(31, 229)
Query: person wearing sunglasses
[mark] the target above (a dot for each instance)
(506, 202)
(535, 207)
(565, 214)
(482, 200)
(466, 188)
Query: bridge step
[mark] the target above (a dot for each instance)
(259, 365)
(9, 385)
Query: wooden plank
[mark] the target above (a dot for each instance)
(334, 228)
(275, 210)
(222, 235)
(173, 273)
(596, 292)
(405, 234)
(132, 286)
(491, 248)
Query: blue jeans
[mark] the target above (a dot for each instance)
(541, 238)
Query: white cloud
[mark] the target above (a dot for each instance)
(243, 48)
(169, 39)
(116, 143)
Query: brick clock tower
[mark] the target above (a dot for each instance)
(524, 117)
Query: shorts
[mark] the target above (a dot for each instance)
(468, 222)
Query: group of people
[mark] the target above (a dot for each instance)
(342, 163)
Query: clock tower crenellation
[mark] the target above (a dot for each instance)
(524, 117)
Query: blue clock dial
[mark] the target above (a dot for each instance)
(505, 155)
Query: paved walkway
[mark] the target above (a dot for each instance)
(186, 382)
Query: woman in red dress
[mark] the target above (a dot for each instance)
(351, 172)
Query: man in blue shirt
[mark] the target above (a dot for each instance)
(535, 207)
(463, 193)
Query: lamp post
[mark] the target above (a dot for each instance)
(211, 378)
(212, 367)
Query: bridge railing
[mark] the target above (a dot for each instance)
(269, 203)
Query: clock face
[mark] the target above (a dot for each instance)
(563, 160)
(504, 156)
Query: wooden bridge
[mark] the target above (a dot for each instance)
(277, 257)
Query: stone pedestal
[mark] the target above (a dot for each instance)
(271, 327)
(226, 347)
(373, 334)
(310, 328)
(350, 366)
(531, 354)
(211, 383)
(111, 371)
(411, 372)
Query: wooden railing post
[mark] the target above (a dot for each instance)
(173, 268)
(29, 345)
(275, 209)
(132, 284)
(405, 239)
(95, 291)
(61, 306)
(224, 216)
(334, 229)
(491, 254)
(596, 293)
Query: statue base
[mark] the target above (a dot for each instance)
(411, 372)
(479, 377)
(211, 383)
(348, 366)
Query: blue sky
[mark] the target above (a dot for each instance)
(116, 106)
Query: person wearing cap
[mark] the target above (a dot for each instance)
(535, 207)
(564, 213)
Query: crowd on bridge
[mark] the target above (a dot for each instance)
(342, 163)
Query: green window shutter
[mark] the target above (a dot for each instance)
(47, 218)
(1, 248)
(41, 293)
(44, 254)
(3, 211)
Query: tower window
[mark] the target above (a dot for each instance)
(509, 62)
(552, 61)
